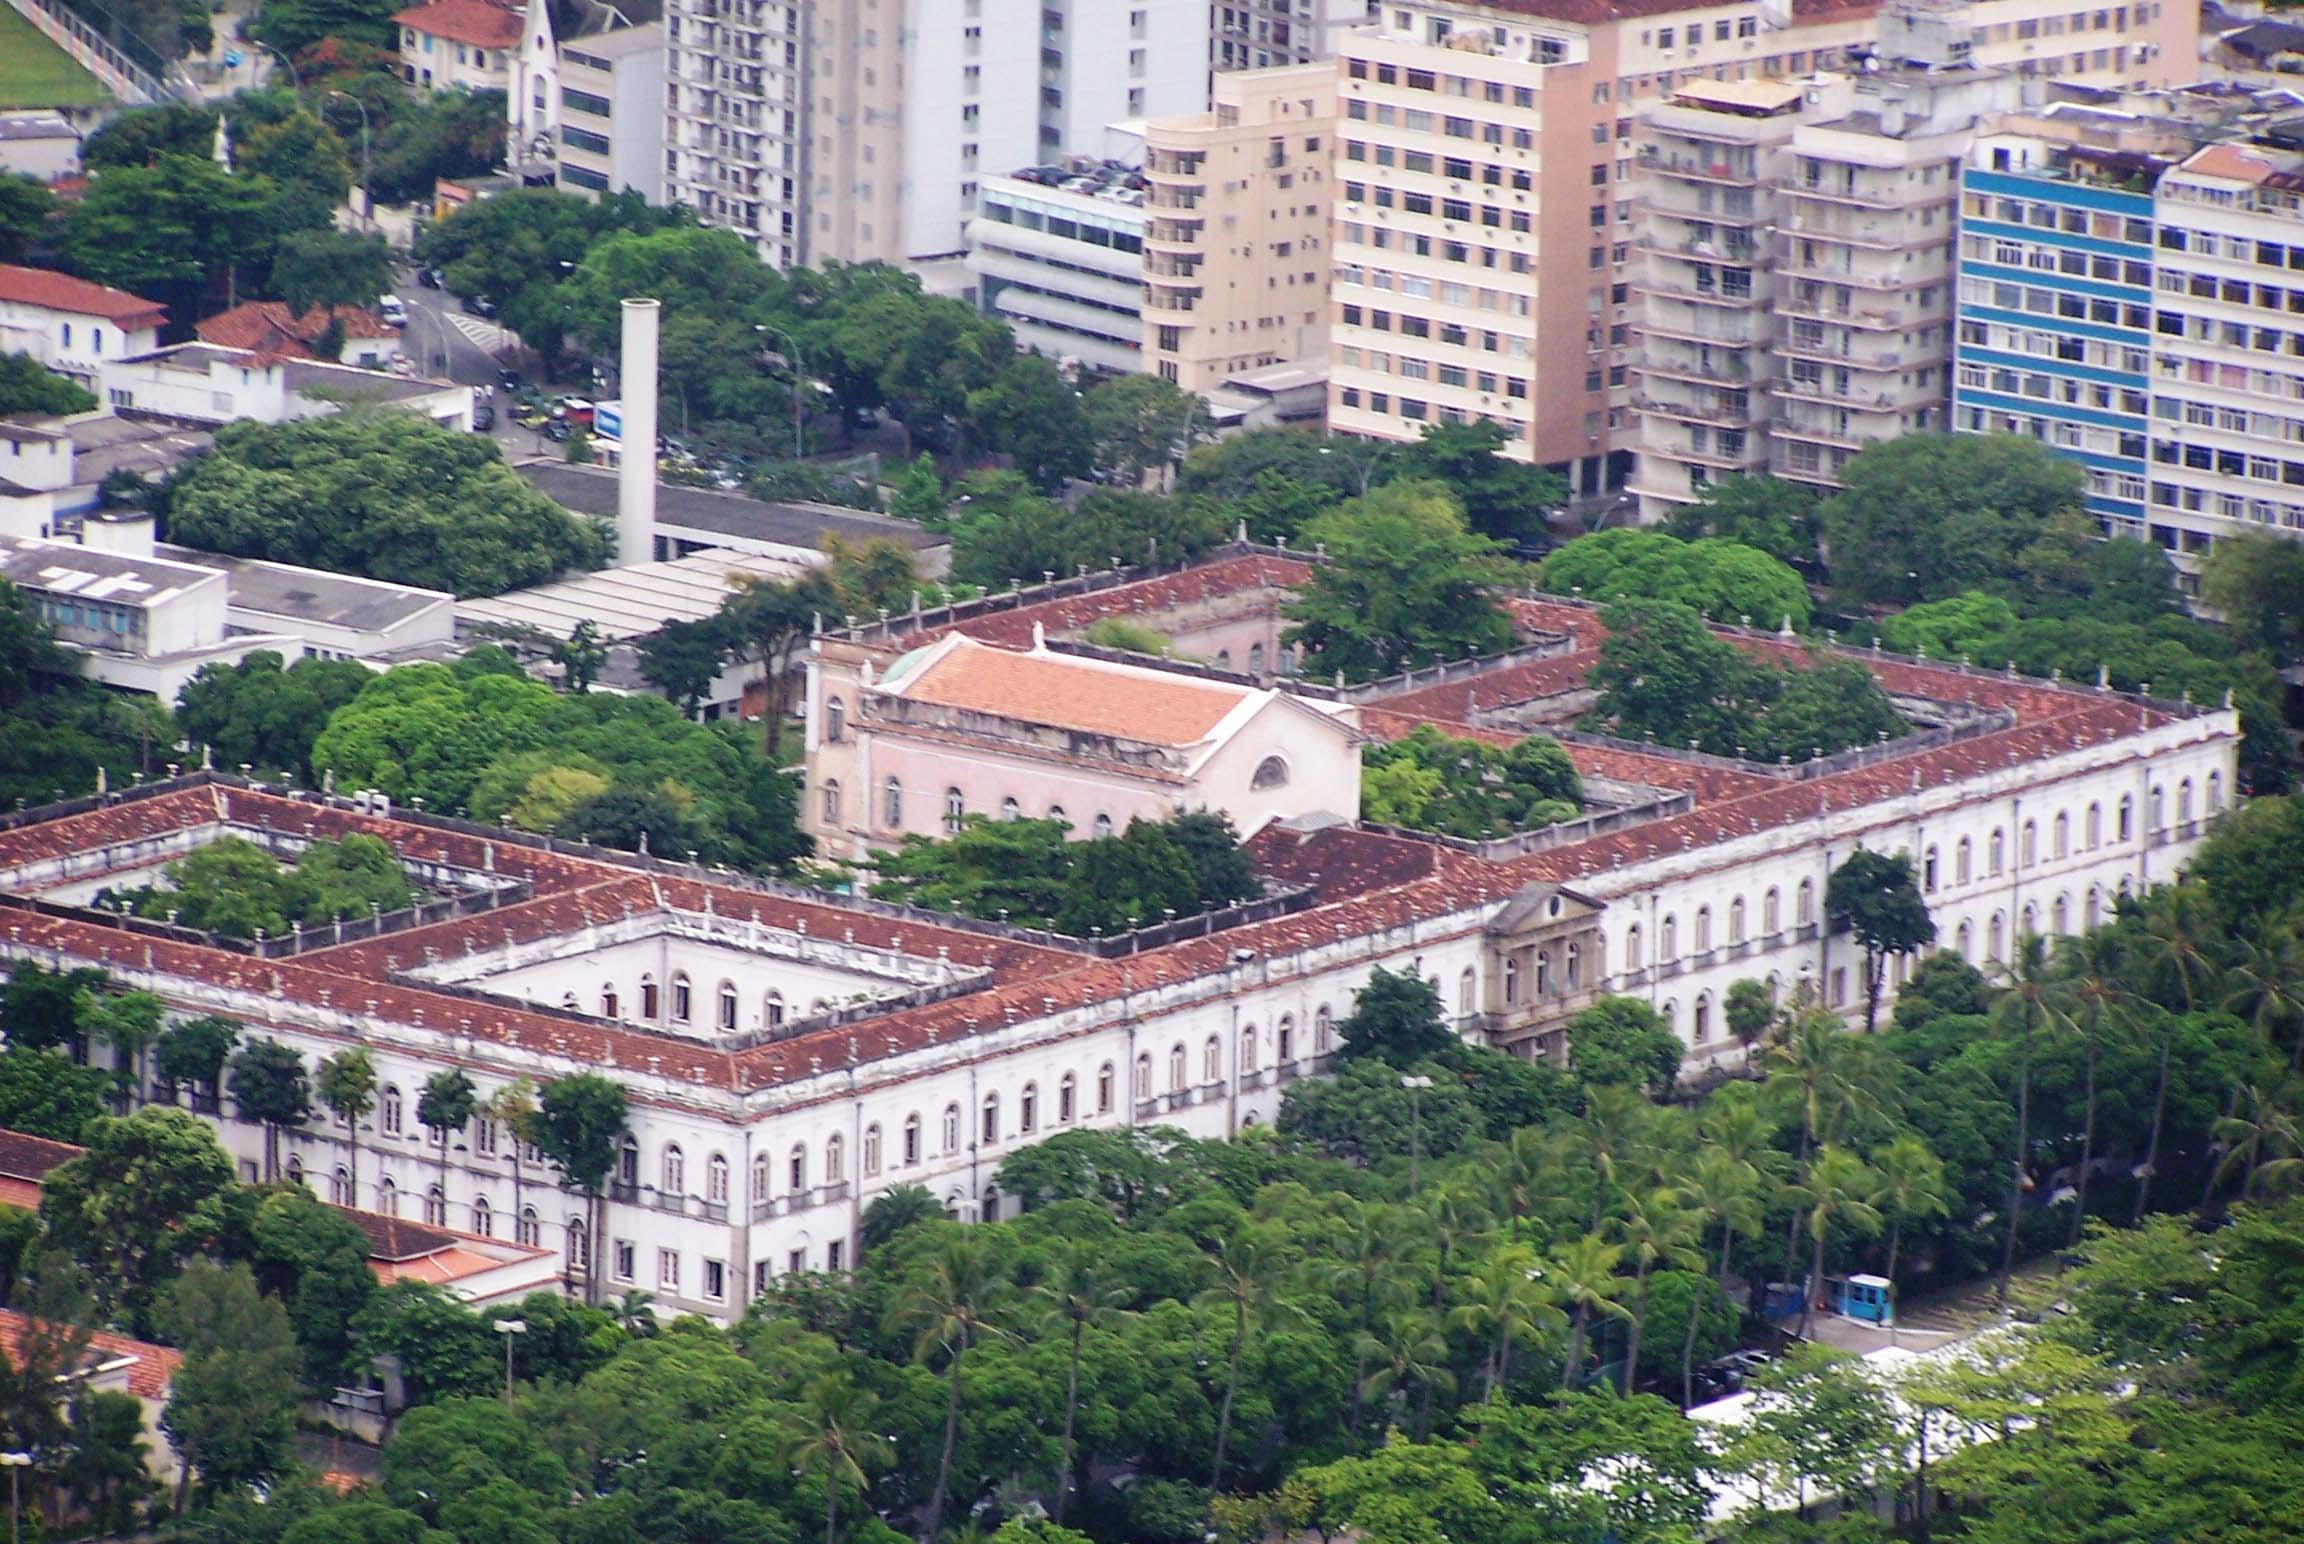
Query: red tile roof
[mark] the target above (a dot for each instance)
(53, 291)
(477, 22)
(1148, 705)
(153, 1367)
(269, 327)
(24, 1156)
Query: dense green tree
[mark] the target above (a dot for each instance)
(2252, 864)
(28, 387)
(1929, 515)
(295, 25)
(579, 1121)
(345, 1083)
(1396, 1018)
(1877, 898)
(330, 268)
(1004, 532)
(1502, 497)
(1405, 586)
(49, 1095)
(179, 227)
(2256, 583)
(234, 886)
(314, 1260)
(1435, 782)
(436, 134)
(682, 659)
(270, 1087)
(1719, 579)
(25, 208)
(1142, 423)
(147, 1194)
(392, 496)
(1364, 1116)
(1773, 514)
(256, 712)
(232, 1403)
(1033, 414)
(1622, 1040)
(1114, 883)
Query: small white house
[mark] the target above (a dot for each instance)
(71, 325)
(202, 383)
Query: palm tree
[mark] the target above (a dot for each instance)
(346, 1083)
(840, 1440)
(1839, 1188)
(1071, 1300)
(1606, 1136)
(1830, 1077)
(1363, 1264)
(514, 1108)
(1504, 1302)
(1410, 1350)
(1523, 1175)
(2267, 984)
(2172, 951)
(1583, 1276)
(1720, 1186)
(2268, 1127)
(2029, 1001)
(1911, 1187)
(1248, 1271)
(446, 1103)
(2090, 967)
(1656, 1229)
(1452, 1214)
(965, 1289)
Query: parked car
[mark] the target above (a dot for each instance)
(481, 305)
(556, 430)
(393, 310)
(576, 411)
(428, 277)
(508, 379)
(483, 418)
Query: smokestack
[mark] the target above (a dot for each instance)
(636, 471)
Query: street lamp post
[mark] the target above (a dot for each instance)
(367, 199)
(294, 80)
(510, 1329)
(1415, 1085)
(799, 376)
(16, 1464)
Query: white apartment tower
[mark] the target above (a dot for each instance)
(735, 99)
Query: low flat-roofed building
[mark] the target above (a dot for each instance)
(141, 622)
(337, 616)
(692, 519)
(1057, 253)
(42, 145)
(208, 383)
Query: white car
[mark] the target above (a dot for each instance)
(394, 310)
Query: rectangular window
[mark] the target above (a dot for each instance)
(625, 1257)
(715, 1281)
(668, 1270)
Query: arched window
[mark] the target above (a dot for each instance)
(831, 801)
(1543, 974)
(911, 1140)
(2028, 844)
(955, 810)
(648, 1006)
(1464, 990)
(835, 1159)
(1271, 772)
(796, 1169)
(295, 1170)
(1284, 1041)
(1736, 920)
(1010, 809)
(1248, 1061)
(435, 1207)
(989, 1131)
(1632, 947)
(528, 1230)
(2060, 836)
(1067, 1099)
(1965, 942)
(951, 1128)
(1805, 900)
(628, 1161)
(892, 803)
(835, 720)
(2154, 808)
(2184, 802)
(2124, 828)
(761, 1189)
(1961, 865)
(1104, 1089)
(1144, 1075)
(2092, 912)
(1996, 858)
(389, 1111)
(1103, 825)
(1223, 659)
(387, 1198)
(1256, 659)
(1056, 813)
(1995, 937)
(1212, 1060)
(483, 1217)
(772, 1009)
(1028, 1110)
(1575, 964)
(2215, 792)
(579, 1245)
(1176, 1070)
(727, 1005)
(674, 1179)
(1511, 983)
(340, 1187)
(568, 1001)
(871, 1159)
(1702, 1031)
(1323, 1030)
(1667, 940)
(2060, 917)
(2029, 926)
(682, 1005)
(2092, 827)
(1703, 929)
(608, 1002)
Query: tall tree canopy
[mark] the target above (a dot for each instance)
(1405, 585)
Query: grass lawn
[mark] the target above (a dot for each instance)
(36, 73)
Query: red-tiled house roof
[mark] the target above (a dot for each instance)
(25, 1161)
(152, 1368)
(477, 22)
(269, 327)
(53, 291)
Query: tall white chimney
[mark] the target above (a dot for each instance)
(636, 471)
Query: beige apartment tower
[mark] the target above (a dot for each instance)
(1236, 251)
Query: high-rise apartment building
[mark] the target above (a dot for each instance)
(1262, 34)
(2129, 278)
(1236, 263)
(858, 130)
(1488, 197)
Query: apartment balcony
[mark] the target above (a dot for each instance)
(1162, 234)
(1883, 276)
(1703, 324)
(1159, 298)
(1864, 313)
(1678, 244)
(1731, 170)
(1866, 193)
(1668, 363)
(1742, 458)
(1867, 395)
(1731, 412)
(1168, 265)
(1841, 436)
(1675, 201)
(1858, 350)
(1681, 288)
